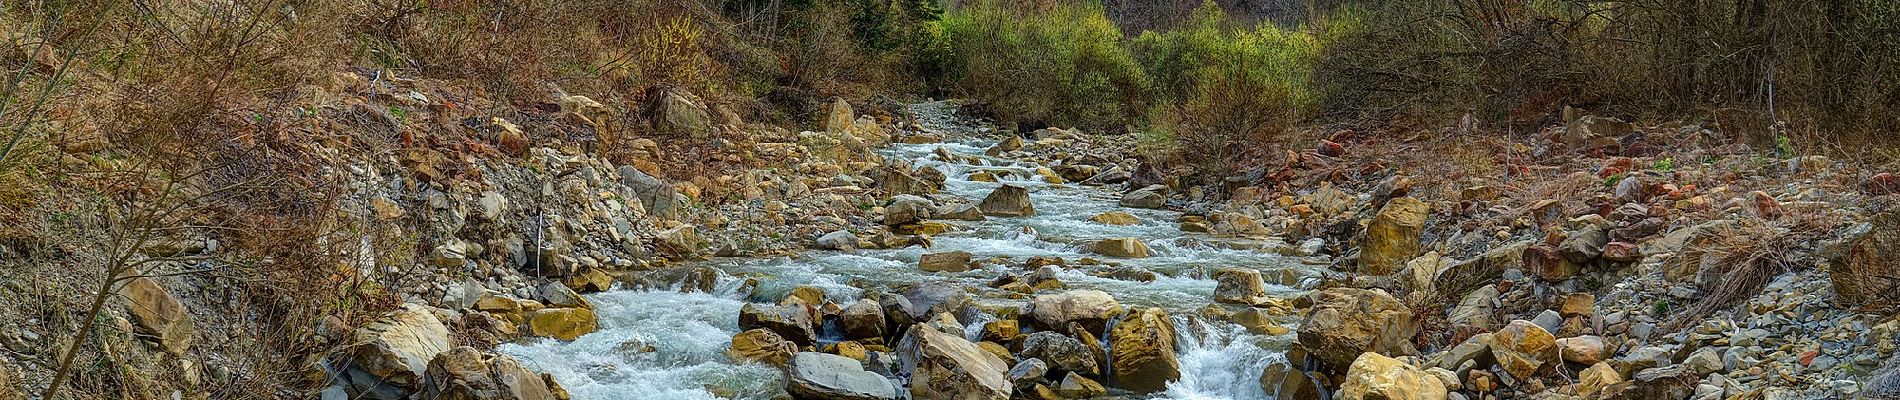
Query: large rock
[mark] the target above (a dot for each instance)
(391, 355)
(1392, 237)
(1115, 218)
(682, 243)
(827, 376)
(862, 320)
(905, 209)
(1376, 377)
(761, 345)
(1239, 286)
(1008, 201)
(562, 323)
(1522, 348)
(674, 112)
(1485, 269)
(656, 195)
(159, 316)
(791, 322)
(1345, 322)
(1584, 245)
(954, 261)
(1282, 380)
(841, 240)
(1091, 308)
(1061, 352)
(1121, 247)
(1141, 352)
(944, 366)
(466, 374)
(1864, 275)
(923, 302)
(1144, 198)
(839, 118)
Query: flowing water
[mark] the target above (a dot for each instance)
(670, 345)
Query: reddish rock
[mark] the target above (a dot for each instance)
(1331, 149)
(1616, 166)
(1622, 252)
(1545, 262)
(1765, 206)
(1882, 184)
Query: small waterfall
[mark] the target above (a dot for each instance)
(1222, 361)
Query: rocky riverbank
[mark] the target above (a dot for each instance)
(907, 251)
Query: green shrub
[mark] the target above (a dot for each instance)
(1061, 65)
(1221, 85)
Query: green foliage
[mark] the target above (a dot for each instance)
(1665, 165)
(1063, 65)
(1224, 85)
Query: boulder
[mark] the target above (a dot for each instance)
(1115, 218)
(839, 118)
(674, 112)
(929, 301)
(1012, 143)
(158, 316)
(1283, 381)
(791, 322)
(841, 240)
(394, 352)
(1008, 201)
(1595, 378)
(1239, 286)
(657, 196)
(555, 294)
(1477, 309)
(825, 376)
(1586, 349)
(1141, 352)
(1061, 352)
(1144, 199)
(761, 345)
(1345, 322)
(1522, 348)
(1028, 372)
(944, 366)
(1091, 308)
(960, 212)
(862, 320)
(1076, 386)
(905, 209)
(954, 261)
(1862, 275)
(1485, 269)
(1547, 263)
(1120, 247)
(1392, 236)
(1377, 377)
(1584, 245)
(562, 323)
(467, 374)
(682, 243)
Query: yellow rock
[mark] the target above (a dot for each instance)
(761, 345)
(1373, 376)
(1392, 237)
(1116, 218)
(1120, 247)
(562, 323)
